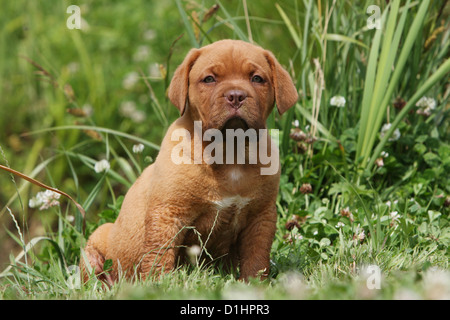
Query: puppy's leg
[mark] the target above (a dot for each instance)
(95, 251)
(164, 233)
(255, 244)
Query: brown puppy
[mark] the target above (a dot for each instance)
(185, 198)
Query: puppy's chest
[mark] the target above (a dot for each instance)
(224, 218)
(231, 210)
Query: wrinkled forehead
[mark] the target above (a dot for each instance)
(231, 58)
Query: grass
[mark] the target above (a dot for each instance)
(350, 198)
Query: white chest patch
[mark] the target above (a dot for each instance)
(238, 201)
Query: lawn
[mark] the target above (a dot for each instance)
(364, 199)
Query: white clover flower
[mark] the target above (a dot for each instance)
(138, 116)
(154, 71)
(194, 251)
(149, 34)
(101, 166)
(44, 200)
(379, 162)
(142, 53)
(395, 135)
(426, 102)
(298, 236)
(425, 105)
(128, 109)
(138, 148)
(87, 109)
(73, 67)
(296, 123)
(394, 215)
(362, 236)
(33, 203)
(291, 237)
(359, 234)
(338, 101)
(340, 225)
(130, 80)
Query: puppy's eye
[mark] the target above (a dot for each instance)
(209, 79)
(257, 79)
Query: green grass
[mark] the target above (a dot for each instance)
(374, 200)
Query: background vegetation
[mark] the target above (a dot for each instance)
(354, 192)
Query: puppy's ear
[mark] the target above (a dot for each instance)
(178, 88)
(285, 92)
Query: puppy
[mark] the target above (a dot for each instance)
(184, 198)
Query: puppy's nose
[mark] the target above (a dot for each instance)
(236, 98)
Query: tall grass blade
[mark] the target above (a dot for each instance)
(404, 54)
(29, 246)
(99, 129)
(382, 71)
(342, 38)
(368, 91)
(374, 108)
(289, 25)
(187, 24)
(240, 34)
(387, 55)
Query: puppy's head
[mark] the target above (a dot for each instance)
(231, 84)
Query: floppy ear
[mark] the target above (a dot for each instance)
(285, 92)
(178, 88)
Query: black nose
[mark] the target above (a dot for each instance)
(236, 98)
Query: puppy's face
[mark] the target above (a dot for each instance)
(231, 84)
(231, 87)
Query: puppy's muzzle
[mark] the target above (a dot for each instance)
(235, 98)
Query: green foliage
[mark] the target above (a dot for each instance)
(351, 194)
